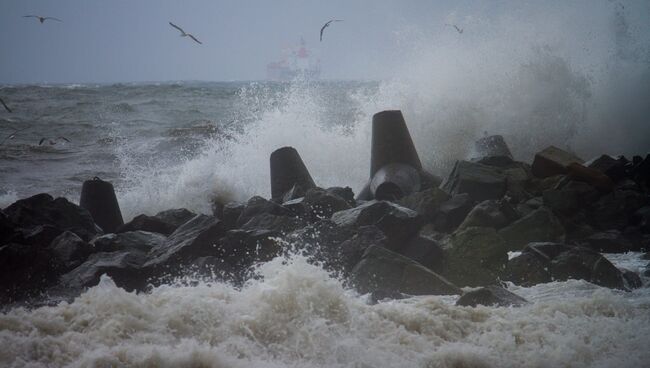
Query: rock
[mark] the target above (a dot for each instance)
(518, 180)
(540, 225)
(143, 241)
(381, 269)
(70, 250)
(615, 210)
(230, 214)
(611, 241)
(642, 218)
(41, 235)
(42, 209)
(530, 205)
(196, 238)
(593, 177)
(490, 213)
(585, 264)
(147, 223)
(614, 168)
(258, 205)
(8, 229)
(452, 212)
(321, 204)
(240, 249)
(424, 250)
(528, 269)
(280, 224)
(124, 267)
(25, 270)
(175, 217)
(396, 222)
(426, 203)
(344, 256)
(632, 279)
(476, 256)
(344, 192)
(565, 202)
(553, 161)
(481, 182)
(491, 295)
(297, 206)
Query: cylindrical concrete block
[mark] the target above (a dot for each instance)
(391, 142)
(491, 146)
(98, 197)
(394, 181)
(287, 170)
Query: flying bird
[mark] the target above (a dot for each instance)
(459, 30)
(327, 25)
(42, 19)
(5, 105)
(53, 141)
(184, 34)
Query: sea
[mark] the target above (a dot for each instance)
(186, 144)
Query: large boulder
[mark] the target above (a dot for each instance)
(123, 266)
(426, 203)
(70, 250)
(231, 212)
(553, 161)
(147, 223)
(240, 249)
(26, 270)
(491, 295)
(321, 204)
(258, 205)
(175, 217)
(611, 241)
(452, 212)
(143, 241)
(475, 256)
(616, 210)
(481, 182)
(592, 177)
(610, 166)
(424, 250)
(41, 235)
(490, 213)
(267, 221)
(381, 269)
(540, 225)
(396, 222)
(42, 209)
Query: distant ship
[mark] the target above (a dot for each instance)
(297, 62)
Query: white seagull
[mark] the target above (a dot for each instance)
(42, 19)
(327, 25)
(184, 34)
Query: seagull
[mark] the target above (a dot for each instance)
(327, 25)
(53, 142)
(460, 30)
(5, 105)
(42, 19)
(183, 34)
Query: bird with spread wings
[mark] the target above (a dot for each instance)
(185, 34)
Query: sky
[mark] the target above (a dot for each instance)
(120, 41)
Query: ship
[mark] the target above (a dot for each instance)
(296, 63)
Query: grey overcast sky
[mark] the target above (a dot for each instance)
(126, 40)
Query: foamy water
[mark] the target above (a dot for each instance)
(298, 316)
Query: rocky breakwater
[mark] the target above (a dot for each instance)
(556, 216)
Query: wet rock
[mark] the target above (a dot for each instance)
(26, 270)
(562, 201)
(297, 206)
(124, 267)
(230, 214)
(42, 209)
(452, 212)
(585, 264)
(147, 223)
(240, 249)
(343, 192)
(632, 279)
(593, 177)
(321, 204)
(70, 250)
(611, 241)
(41, 235)
(143, 241)
(396, 222)
(553, 161)
(344, 256)
(481, 182)
(642, 218)
(530, 205)
(490, 213)
(610, 166)
(528, 269)
(381, 269)
(175, 217)
(280, 224)
(540, 225)
(476, 256)
(424, 250)
(196, 238)
(258, 205)
(615, 210)
(491, 295)
(8, 230)
(426, 203)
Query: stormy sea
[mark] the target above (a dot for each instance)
(193, 144)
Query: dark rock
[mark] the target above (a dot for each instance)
(70, 250)
(518, 179)
(424, 250)
(490, 213)
(143, 241)
(491, 295)
(528, 269)
(147, 223)
(41, 235)
(196, 238)
(344, 192)
(642, 218)
(611, 241)
(476, 256)
(124, 267)
(530, 205)
(553, 161)
(175, 217)
(396, 222)
(562, 201)
(231, 212)
(297, 206)
(42, 209)
(585, 264)
(258, 205)
(381, 269)
(8, 229)
(593, 177)
(540, 225)
(481, 182)
(610, 166)
(211, 267)
(615, 210)
(321, 204)
(267, 221)
(632, 279)
(426, 203)
(452, 212)
(26, 270)
(348, 253)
